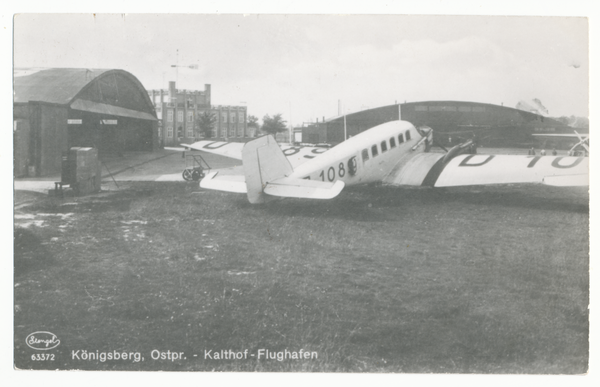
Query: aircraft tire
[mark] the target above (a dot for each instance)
(187, 175)
(197, 174)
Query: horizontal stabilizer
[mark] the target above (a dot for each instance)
(567, 181)
(302, 188)
(228, 183)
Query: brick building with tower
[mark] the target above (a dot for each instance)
(178, 112)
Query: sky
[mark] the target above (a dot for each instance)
(302, 66)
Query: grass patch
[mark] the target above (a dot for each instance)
(461, 280)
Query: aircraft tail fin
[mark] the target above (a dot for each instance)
(266, 171)
(264, 162)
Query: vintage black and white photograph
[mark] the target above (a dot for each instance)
(339, 193)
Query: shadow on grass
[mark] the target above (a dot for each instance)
(568, 199)
(360, 203)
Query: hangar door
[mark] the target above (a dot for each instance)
(110, 134)
(114, 114)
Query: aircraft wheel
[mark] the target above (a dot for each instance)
(187, 175)
(197, 174)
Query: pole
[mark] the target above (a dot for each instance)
(345, 132)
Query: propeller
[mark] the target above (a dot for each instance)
(582, 141)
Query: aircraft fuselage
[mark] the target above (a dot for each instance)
(367, 157)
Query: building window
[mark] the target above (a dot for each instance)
(224, 117)
(190, 117)
(392, 142)
(180, 116)
(232, 117)
(170, 116)
(190, 132)
(383, 146)
(407, 135)
(374, 150)
(241, 117)
(365, 155)
(169, 132)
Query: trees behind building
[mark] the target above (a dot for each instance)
(273, 125)
(206, 123)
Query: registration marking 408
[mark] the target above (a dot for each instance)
(331, 173)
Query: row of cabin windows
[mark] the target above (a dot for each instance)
(384, 147)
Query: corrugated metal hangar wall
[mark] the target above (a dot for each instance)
(492, 125)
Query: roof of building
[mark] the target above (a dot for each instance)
(94, 90)
(56, 85)
(440, 102)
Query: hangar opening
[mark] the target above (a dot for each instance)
(56, 109)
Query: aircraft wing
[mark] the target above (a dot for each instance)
(228, 149)
(296, 155)
(436, 170)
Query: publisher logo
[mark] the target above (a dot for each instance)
(42, 341)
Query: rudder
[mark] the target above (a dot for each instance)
(263, 162)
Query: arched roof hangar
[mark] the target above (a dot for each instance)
(55, 109)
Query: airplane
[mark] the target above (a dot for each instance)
(394, 153)
(584, 142)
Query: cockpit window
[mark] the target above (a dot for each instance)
(392, 142)
(400, 139)
(374, 150)
(383, 146)
(407, 135)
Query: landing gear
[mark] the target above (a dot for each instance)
(195, 168)
(193, 174)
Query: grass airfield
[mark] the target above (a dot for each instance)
(457, 280)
